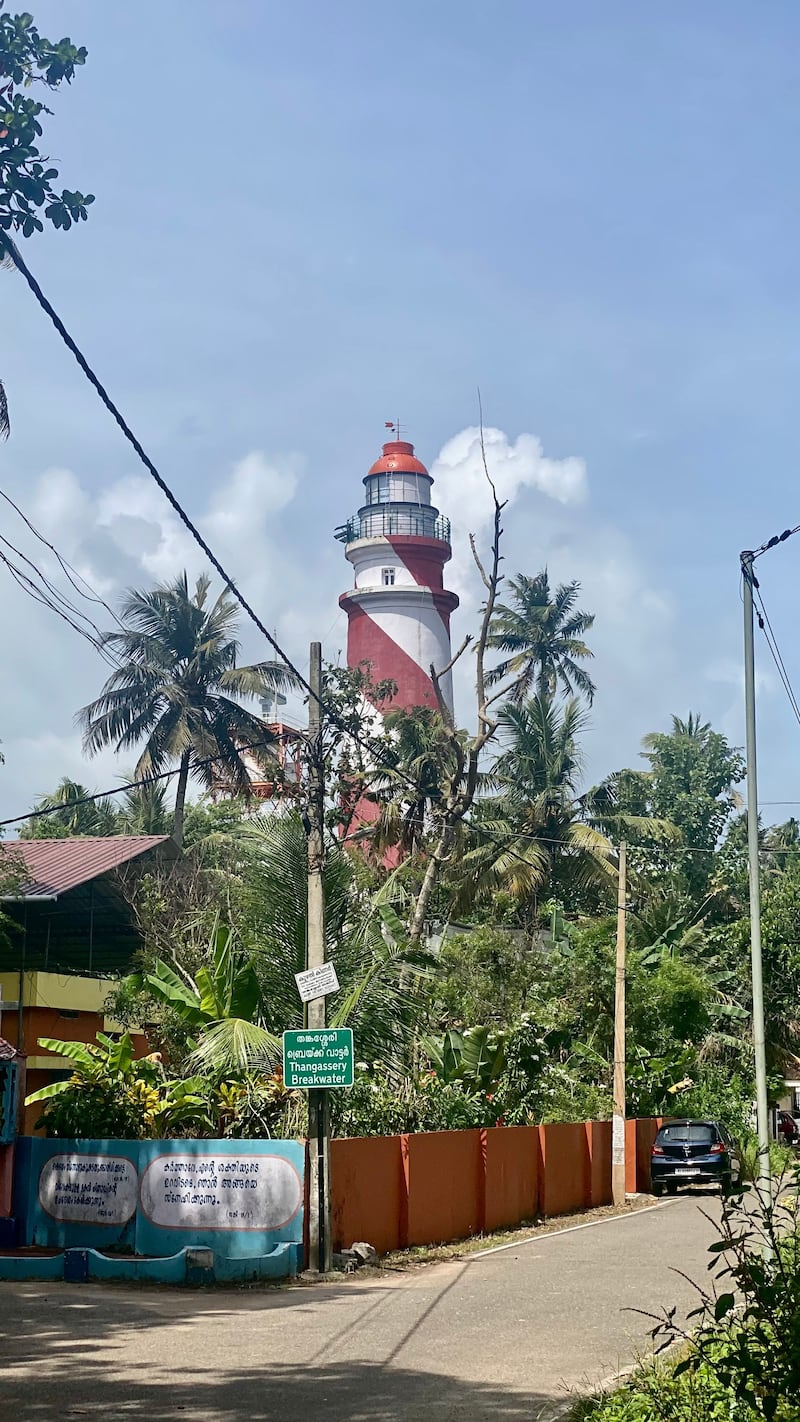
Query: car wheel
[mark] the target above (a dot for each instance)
(658, 1190)
(672, 1187)
(726, 1184)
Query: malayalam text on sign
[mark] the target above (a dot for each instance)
(317, 982)
(318, 1058)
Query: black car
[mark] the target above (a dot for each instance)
(693, 1153)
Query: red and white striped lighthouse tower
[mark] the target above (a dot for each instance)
(398, 612)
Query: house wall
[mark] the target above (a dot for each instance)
(55, 1005)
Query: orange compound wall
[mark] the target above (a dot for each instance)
(598, 1143)
(630, 1158)
(566, 1169)
(511, 1175)
(444, 1185)
(394, 1191)
(368, 1197)
(646, 1131)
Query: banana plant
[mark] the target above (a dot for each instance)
(475, 1057)
(223, 1004)
(91, 1062)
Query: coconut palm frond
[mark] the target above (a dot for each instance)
(234, 1044)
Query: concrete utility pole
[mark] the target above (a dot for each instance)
(749, 581)
(618, 1126)
(319, 1197)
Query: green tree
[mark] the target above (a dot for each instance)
(780, 916)
(782, 846)
(222, 1003)
(692, 778)
(176, 688)
(142, 809)
(414, 777)
(26, 182)
(486, 975)
(535, 835)
(69, 817)
(541, 636)
(26, 177)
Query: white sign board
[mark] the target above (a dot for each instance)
(199, 1191)
(317, 982)
(89, 1189)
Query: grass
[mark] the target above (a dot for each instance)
(417, 1256)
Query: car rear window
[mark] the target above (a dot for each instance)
(686, 1135)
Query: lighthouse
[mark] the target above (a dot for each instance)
(398, 611)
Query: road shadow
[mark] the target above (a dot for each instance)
(65, 1355)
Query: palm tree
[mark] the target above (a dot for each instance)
(71, 815)
(530, 832)
(535, 832)
(144, 808)
(417, 769)
(541, 634)
(175, 690)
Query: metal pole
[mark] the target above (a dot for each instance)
(618, 1125)
(759, 1048)
(319, 1202)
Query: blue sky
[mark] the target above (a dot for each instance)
(309, 218)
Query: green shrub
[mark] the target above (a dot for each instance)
(742, 1363)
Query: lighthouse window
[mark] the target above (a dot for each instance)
(388, 577)
(378, 489)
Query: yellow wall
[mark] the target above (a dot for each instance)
(62, 990)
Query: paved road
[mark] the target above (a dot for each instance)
(500, 1338)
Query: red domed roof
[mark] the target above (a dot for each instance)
(398, 457)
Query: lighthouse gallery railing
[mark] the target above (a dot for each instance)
(387, 523)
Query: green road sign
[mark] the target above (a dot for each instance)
(318, 1058)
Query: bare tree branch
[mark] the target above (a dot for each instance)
(463, 785)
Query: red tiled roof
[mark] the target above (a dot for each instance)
(57, 865)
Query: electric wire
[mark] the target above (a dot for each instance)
(128, 785)
(71, 573)
(16, 257)
(771, 640)
(775, 540)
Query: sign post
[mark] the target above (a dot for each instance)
(318, 1059)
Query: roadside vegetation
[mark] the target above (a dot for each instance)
(501, 1011)
(738, 1356)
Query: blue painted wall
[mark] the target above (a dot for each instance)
(58, 1179)
(239, 1198)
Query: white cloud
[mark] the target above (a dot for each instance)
(644, 664)
(462, 493)
(126, 536)
(548, 522)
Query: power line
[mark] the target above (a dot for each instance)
(71, 573)
(775, 540)
(128, 785)
(39, 595)
(775, 652)
(16, 257)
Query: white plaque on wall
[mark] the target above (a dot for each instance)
(197, 1192)
(89, 1189)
